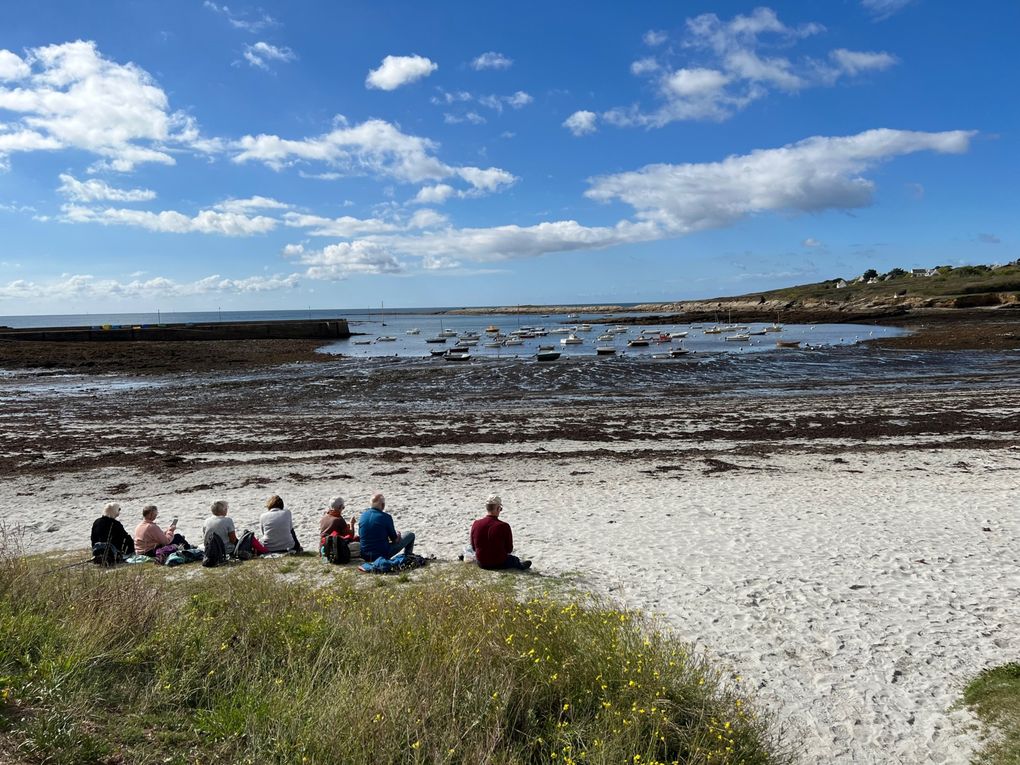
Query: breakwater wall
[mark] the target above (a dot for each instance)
(318, 329)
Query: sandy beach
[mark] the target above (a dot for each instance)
(850, 553)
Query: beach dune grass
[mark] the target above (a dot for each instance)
(240, 665)
(995, 696)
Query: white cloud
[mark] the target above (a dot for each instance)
(811, 242)
(77, 286)
(399, 70)
(854, 62)
(883, 9)
(815, 174)
(70, 96)
(518, 100)
(12, 67)
(653, 38)
(492, 60)
(344, 227)
(339, 261)
(447, 97)
(171, 221)
(644, 66)
(374, 147)
(438, 263)
(251, 203)
(456, 119)
(581, 122)
(724, 68)
(261, 53)
(95, 190)
(427, 219)
(434, 195)
(240, 22)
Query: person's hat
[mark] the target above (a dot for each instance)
(494, 500)
(337, 503)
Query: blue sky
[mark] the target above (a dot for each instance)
(193, 155)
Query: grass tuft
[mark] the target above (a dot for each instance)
(994, 695)
(239, 666)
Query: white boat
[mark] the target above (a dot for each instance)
(386, 339)
(493, 344)
(638, 342)
(713, 331)
(547, 355)
(560, 331)
(571, 339)
(492, 329)
(468, 341)
(774, 328)
(677, 335)
(756, 332)
(571, 315)
(512, 340)
(619, 329)
(362, 342)
(447, 333)
(607, 338)
(673, 354)
(462, 356)
(605, 350)
(584, 328)
(738, 338)
(414, 331)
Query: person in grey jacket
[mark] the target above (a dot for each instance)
(277, 527)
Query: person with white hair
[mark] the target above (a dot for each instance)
(108, 530)
(221, 526)
(493, 540)
(333, 520)
(379, 538)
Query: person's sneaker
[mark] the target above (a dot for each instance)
(525, 564)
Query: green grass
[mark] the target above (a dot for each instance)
(964, 284)
(243, 665)
(995, 697)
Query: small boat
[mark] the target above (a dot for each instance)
(756, 332)
(458, 353)
(386, 339)
(492, 329)
(493, 344)
(663, 338)
(571, 315)
(561, 331)
(437, 353)
(437, 339)
(738, 338)
(605, 350)
(362, 342)
(513, 341)
(673, 354)
(571, 339)
(547, 347)
(584, 328)
(468, 341)
(677, 335)
(607, 338)
(620, 329)
(547, 355)
(414, 331)
(638, 342)
(713, 331)
(447, 333)
(787, 343)
(774, 328)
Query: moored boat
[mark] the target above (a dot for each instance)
(547, 355)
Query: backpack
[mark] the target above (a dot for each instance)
(335, 549)
(215, 550)
(244, 550)
(106, 554)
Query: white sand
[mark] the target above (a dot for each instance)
(855, 598)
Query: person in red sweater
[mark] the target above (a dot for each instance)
(493, 541)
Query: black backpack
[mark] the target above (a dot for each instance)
(244, 550)
(106, 554)
(215, 550)
(335, 549)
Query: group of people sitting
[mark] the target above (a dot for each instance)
(373, 536)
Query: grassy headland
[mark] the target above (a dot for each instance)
(315, 664)
(995, 696)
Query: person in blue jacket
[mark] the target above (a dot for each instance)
(379, 538)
